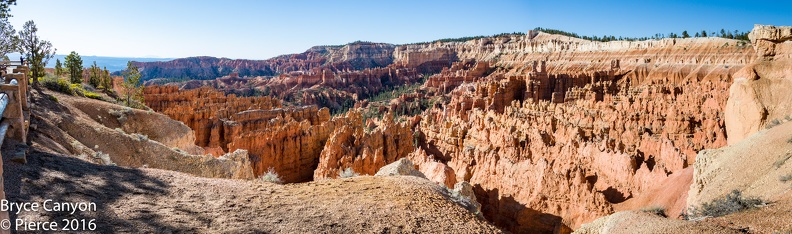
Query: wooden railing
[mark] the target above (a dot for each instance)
(15, 118)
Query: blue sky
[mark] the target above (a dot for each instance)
(259, 29)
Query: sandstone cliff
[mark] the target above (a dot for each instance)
(356, 56)
(759, 95)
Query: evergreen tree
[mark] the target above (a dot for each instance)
(685, 34)
(107, 80)
(133, 85)
(8, 38)
(39, 51)
(58, 68)
(93, 75)
(9, 42)
(698, 35)
(74, 66)
(4, 5)
(703, 33)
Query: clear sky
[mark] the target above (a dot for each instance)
(259, 29)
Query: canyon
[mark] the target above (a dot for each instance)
(551, 131)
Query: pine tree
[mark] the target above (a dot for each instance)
(4, 5)
(107, 80)
(685, 34)
(133, 85)
(93, 77)
(58, 68)
(8, 39)
(703, 33)
(74, 67)
(39, 51)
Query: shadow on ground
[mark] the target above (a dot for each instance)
(67, 179)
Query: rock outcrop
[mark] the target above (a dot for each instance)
(464, 192)
(365, 152)
(402, 167)
(758, 96)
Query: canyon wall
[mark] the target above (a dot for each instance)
(224, 123)
(560, 129)
(290, 141)
(355, 56)
(551, 131)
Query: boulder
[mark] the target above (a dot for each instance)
(402, 167)
(463, 191)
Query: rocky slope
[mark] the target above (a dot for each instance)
(755, 159)
(758, 167)
(110, 134)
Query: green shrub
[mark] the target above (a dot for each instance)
(93, 95)
(121, 114)
(104, 157)
(731, 203)
(785, 178)
(77, 90)
(656, 210)
(271, 176)
(781, 161)
(57, 84)
(140, 137)
(53, 98)
(773, 123)
(347, 173)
